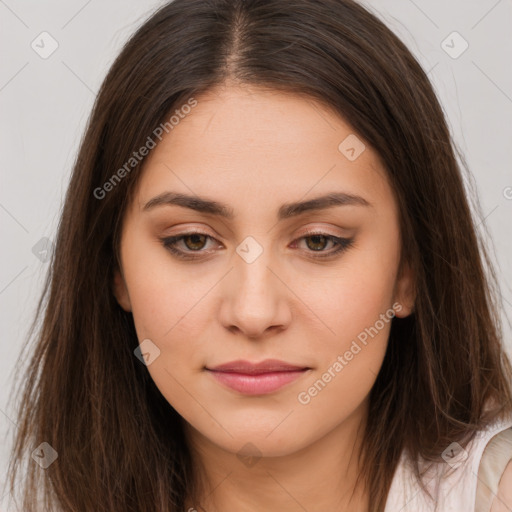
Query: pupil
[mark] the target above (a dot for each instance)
(194, 238)
(316, 237)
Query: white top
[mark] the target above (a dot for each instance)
(453, 483)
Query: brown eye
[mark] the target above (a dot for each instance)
(318, 242)
(183, 246)
(194, 241)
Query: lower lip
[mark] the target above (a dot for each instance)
(256, 384)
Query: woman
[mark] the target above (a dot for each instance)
(267, 291)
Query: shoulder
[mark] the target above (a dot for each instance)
(502, 502)
(499, 460)
(478, 478)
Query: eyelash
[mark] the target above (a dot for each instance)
(341, 244)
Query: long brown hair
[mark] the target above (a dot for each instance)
(445, 375)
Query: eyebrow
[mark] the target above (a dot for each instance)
(286, 211)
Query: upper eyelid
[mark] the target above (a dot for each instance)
(309, 232)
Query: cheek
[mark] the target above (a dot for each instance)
(170, 310)
(351, 356)
(357, 307)
(166, 301)
(348, 360)
(362, 290)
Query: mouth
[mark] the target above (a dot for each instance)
(257, 378)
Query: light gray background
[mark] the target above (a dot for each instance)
(45, 104)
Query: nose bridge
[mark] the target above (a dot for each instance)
(252, 272)
(254, 303)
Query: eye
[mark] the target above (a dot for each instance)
(195, 242)
(317, 241)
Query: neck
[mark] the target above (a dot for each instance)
(329, 466)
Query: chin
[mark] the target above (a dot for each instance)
(258, 443)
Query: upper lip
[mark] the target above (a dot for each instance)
(266, 366)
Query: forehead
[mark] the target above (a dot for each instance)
(242, 143)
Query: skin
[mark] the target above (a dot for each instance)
(254, 150)
(502, 502)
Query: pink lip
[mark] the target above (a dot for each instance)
(256, 378)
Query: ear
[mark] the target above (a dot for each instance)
(404, 294)
(121, 291)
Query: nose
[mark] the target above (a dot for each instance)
(255, 301)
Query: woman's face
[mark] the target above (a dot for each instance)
(264, 281)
